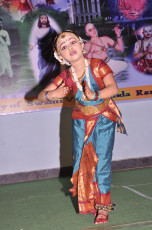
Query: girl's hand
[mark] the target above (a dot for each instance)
(60, 92)
(88, 92)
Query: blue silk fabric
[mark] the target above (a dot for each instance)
(94, 87)
(102, 138)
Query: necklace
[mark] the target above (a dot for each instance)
(76, 80)
(82, 76)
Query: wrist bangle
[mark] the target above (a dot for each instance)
(119, 36)
(96, 96)
(46, 96)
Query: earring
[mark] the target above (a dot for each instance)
(62, 61)
(84, 51)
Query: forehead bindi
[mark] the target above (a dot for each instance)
(66, 39)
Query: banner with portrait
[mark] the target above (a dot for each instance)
(116, 31)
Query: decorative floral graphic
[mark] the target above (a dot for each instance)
(131, 9)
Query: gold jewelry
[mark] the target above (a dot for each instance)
(63, 35)
(62, 61)
(107, 208)
(82, 76)
(76, 80)
(90, 109)
(83, 51)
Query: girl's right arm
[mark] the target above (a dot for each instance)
(52, 91)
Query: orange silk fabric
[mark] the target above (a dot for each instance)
(83, 186)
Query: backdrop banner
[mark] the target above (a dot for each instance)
(116, 31)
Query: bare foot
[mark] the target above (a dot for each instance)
(102, 217)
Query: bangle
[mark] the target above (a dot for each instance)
(96, 97)
(119, 36)
(96, 92)
(46, 96)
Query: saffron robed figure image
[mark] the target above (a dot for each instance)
(94, 118)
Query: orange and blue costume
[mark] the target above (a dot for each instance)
(93, 132)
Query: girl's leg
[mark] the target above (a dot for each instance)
(105, 135)
(104, 143)
(78, 134)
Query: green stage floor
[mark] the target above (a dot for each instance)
(47, 204)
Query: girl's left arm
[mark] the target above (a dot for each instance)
(110, 89)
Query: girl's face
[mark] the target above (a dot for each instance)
(69, 47)
(91, 30)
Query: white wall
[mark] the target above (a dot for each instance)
(137, 117)
(43, 140)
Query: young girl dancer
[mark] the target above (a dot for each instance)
(94, 117)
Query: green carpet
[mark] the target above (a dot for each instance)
(47, 204)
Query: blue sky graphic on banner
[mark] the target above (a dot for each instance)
(116, 31)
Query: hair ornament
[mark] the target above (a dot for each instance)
(63, 35)
(62, 62)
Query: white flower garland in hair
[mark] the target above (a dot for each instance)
(63, 62)
(79, 86)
